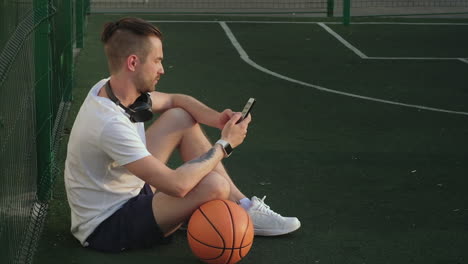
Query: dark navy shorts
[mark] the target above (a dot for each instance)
(132, 226)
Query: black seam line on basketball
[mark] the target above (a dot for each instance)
(233, 231)
(208, 245)
(245, 233)
(214, 227)
(219, 234)
(205, 244)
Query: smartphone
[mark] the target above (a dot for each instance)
(247, 108)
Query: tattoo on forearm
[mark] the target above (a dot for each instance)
(208, 155)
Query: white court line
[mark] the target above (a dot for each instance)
(402, 23)
(363, 56)
(343, 41)
(182, 21)
(309, 22)
(413, 58)
(336, 35)
(245, 57)
(239, 21)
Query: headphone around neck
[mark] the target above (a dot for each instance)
(139, 111)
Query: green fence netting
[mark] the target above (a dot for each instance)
(331, 7)
(408, 3)
(211, 6)
(36, 72)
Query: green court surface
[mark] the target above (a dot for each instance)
(370, 154)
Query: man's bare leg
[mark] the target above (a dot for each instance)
(191, 141)
(170, 212)
(176, 128)
(194, 144)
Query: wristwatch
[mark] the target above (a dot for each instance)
(226, 147)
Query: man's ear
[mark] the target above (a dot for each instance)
(132, 62)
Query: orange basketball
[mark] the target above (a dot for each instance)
(220, 232)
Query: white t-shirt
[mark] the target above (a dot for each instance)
(102, 140)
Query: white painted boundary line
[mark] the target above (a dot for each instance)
(337, 36)
(343, 41)
(412, 58)
(183, 21)
(402, 23)
(308, 22)
(417, 58)
(245, 57)
(363, 56)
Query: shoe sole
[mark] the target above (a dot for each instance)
(273, 232)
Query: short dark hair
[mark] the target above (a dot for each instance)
(125, 37)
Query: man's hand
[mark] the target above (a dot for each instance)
(224, 117)
(236, 133)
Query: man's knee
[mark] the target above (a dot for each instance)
(215, 186)
(182, 116)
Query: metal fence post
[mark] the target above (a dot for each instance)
(79, 16)
(346, 12)
(68, 50)
(88, 7)
(42, 58)
(330, 7)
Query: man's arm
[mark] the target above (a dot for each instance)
(199, 111)
(180, 181)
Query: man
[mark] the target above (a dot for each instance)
(120, 191)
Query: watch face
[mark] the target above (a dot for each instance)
(226, 147)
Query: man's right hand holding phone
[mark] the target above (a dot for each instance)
(235, 130)
(236, 133)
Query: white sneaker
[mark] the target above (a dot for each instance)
(268, 223)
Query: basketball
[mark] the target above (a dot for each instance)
(220, 232)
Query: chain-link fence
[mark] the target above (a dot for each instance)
(330, 7)
(36, 71)
(211, 6)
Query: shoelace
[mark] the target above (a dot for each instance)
(262, 207)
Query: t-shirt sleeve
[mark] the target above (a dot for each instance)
(121, 141)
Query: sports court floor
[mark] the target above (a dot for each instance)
(360, 131)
